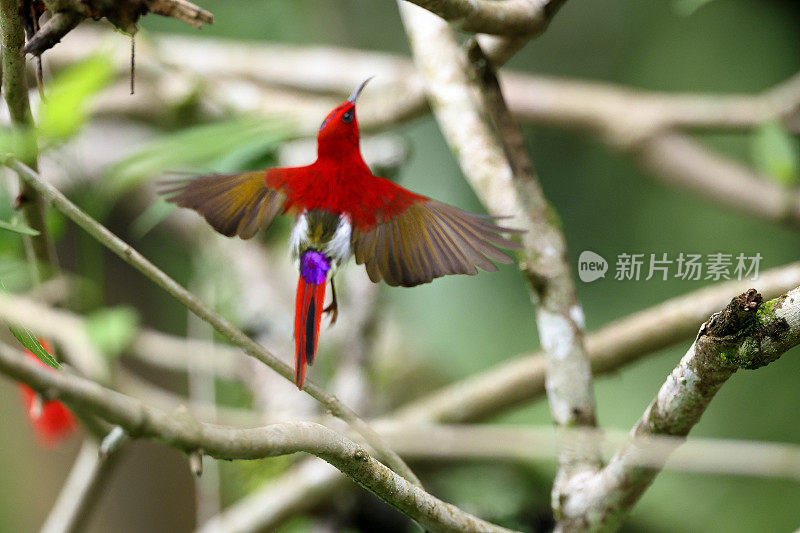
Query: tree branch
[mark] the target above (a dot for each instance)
(677, 160)
(611, 347)
(527, 444)
(52, 31)
(67, 14)
(509, 17)
(135, 259)
(746, 334)
(639, 123)
(185, 433)
(465, 97)
(39, 248)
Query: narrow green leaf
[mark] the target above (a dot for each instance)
(775, 153)
(201, 146)
(18, 227)
(111, 330)
(29, 341)
(66, 110)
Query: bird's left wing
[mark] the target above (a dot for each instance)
(422, 239)
(234, 204)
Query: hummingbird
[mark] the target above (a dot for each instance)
(342, 210)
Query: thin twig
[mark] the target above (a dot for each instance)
(83, 487)
(138, 261)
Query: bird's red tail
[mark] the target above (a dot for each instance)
(307, 314)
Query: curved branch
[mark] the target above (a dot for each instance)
(509, 17)
(184, 433)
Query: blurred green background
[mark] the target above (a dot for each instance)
(461, 325)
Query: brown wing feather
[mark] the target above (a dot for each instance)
(234, 204)
(429, 240)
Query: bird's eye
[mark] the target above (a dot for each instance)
(347, 117)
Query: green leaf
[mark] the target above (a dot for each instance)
(150, 218)
(18, 227)
(111, 330)
(29, 341)
(199, 147)
(65, 109)
(688, 7)
(775, 153)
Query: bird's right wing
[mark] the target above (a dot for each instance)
(234, 204)
(418, 239)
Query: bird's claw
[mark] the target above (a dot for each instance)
(333, 311)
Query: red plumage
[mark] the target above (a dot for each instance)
(342, 186)
(307, 316)
(51, 420)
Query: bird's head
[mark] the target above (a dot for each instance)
(339, 131)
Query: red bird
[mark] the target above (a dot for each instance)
(341, 209)
(51, 420)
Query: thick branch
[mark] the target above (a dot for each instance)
(135, 259)
(67, 14)
(747, 334)
(509, 17)
(465, 96)
(185, 433)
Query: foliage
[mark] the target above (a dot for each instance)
(112, 329)
(29, 341)
(776, 153)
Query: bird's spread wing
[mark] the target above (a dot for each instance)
(234, 204)
(429, 239)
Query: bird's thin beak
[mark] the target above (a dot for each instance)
(354, 95)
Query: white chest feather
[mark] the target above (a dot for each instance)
(336, 245)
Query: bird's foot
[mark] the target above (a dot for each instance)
(333, 311)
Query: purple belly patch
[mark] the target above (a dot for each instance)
(314, 267)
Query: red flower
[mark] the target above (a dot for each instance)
(51, 420)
